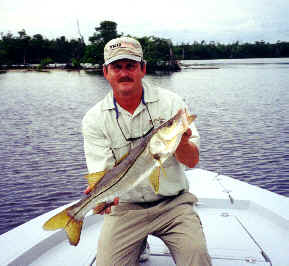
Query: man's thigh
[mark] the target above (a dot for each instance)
(181, 230)
(121, 238)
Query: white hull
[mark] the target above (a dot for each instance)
(243, 224)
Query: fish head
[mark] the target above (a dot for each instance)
(168, 136)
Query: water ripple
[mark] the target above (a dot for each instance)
(242, 120)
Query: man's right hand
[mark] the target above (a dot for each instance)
(107, 208)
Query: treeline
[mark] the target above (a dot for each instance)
(159, 52)
(236, 50)
(24, 49)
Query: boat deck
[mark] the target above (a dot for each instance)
(243, 224)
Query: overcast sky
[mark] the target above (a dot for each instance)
(186, 21)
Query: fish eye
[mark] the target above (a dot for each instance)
(156, 156)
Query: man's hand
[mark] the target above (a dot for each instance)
(107, 208)
(187, 153)
(186, 136)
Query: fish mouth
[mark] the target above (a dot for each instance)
(168, 136)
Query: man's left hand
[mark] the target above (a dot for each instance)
(187, 152)
(186, 136)
(107, 208)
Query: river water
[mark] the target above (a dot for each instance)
(243, 120)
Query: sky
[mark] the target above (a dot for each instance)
(182, 21)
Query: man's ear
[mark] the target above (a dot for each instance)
(144, 67)
(104, 70)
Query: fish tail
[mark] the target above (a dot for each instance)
(71, 226)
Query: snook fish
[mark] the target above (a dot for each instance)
(144, 161)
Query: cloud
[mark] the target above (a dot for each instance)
(183, 21)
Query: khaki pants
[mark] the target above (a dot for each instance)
(173, 220)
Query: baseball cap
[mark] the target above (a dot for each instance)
(122, 48)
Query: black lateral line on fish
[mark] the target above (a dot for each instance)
(122, 174)
(146, 140)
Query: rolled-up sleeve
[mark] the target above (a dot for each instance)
(195, 137)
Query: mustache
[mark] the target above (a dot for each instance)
(125, 79)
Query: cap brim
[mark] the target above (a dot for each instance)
(123, 56)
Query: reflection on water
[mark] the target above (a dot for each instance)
(242, 118)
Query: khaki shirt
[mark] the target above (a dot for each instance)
(104, 143)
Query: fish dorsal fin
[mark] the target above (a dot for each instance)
(94, 178)
(155, 179)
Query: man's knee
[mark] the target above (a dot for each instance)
(193, 255)
(119, 258)
(190, 247)
(120, 252)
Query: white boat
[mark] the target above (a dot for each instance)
(243, 224)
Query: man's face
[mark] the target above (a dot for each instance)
(125, 76)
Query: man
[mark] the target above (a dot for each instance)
(111, 128)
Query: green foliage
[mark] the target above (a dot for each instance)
(104, 33)
(93, 54)
(44, 62)
(214, 50)
(157, 52)
(75, 63)
(3, 55)
(24, 49)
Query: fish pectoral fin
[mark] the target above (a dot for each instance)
(94, 178)
(155, 179)
(71, 226)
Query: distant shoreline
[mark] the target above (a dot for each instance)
(97, 68)
(50, 67)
